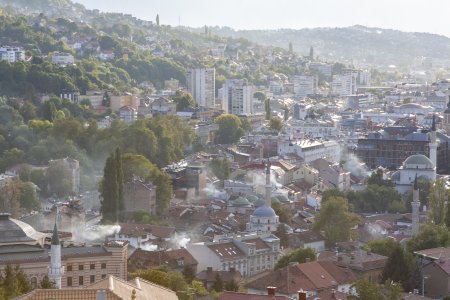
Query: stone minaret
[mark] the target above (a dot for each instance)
(56, 270)
(415, 208)
(433, 143)
(268, 185)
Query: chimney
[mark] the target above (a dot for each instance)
(301, 295)
(271, 290)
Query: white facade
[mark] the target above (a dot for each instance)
(344, 84)
(414, 166)
(128, 114)
(237, 97)
(310, 150)
(305, 85)
(12, 54)
(62, 58)
(201, 84)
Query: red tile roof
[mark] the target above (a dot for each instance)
(243, 296)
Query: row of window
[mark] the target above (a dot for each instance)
(69, 268)
(70, 280)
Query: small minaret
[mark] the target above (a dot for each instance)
(433, 144)
(268, 185)
(415, 208)
(56, 270)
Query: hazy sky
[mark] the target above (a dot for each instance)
(408, 15)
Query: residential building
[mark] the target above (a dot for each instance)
(437, 278)
(109, 288)
(306, 239)
(249, 254)
(12, 54)
(209, 277)
(201, 84)
(139, 195)
(62, 58)
(73, 96)
(313, 277)
(237, 97)
(227, 295)
(324, 68)
(300, 111)
(163, 106)
(344, 84)
(309, 149)
(174, 259)
(128, 114)
(305, 85)
(144, 235)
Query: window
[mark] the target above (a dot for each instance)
(92, 279)
(80, 280)
(103, 276)
(92, 266)
(33, 282)
(69, 281)
(103, 265)
(69, 268)
(80, 267)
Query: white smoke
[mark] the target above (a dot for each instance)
(149, 247)
(259, 181)
(211, 191)
(354, 166)
(180, 240)
(95, 233)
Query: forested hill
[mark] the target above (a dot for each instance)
(374, 45)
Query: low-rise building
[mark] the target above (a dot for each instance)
(62, 58)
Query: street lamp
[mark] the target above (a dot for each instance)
(424, 277)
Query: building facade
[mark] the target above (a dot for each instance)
(202, 86)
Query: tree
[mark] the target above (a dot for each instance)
(46, 283)
(59, 179)
(300, 255)
(366, 290)
(281, 233)
(230, 129)
(335, 220)
(382, 247)
(276, 124)
(261, 96)
(397, 267)
(183, 100)
(157, 19)
(14, 282)
(311, 53)
(188, 274)
(110, 191)
(119, 175)
(284, 213)
(286, 112)
(218, 283)
(29, 198)
(267, 108)
(231, 286)
(447, 215)
(220, 168)
(438, 198)
(377, 178)
(429, 236)
(291, 48)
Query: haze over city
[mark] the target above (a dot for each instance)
(420, 16)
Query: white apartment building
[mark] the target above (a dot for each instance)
(249, 254)
(305, 85)
(62, 58)
(324, 68)
(344, 84)
(237, 97)
(12, 54)
(202, 86)
(310, 150)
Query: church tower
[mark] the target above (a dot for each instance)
(415, 208)
(433, 143)
(55, 271)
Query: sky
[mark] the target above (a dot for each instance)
(406, 15)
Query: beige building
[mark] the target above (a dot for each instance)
(110, 288)
(139, 195)
(21, 245)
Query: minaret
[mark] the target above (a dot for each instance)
(55, 271)
(268, 185)
(433, 144)
(415, 208)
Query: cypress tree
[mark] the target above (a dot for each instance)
(397, 267)
(447, 216)
(109, 191)
(119, 174)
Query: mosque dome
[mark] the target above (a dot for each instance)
(418, 161)
(264, 212)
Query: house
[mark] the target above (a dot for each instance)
(110, 288)
(306, 239)
(312, 277)
(175, 259)
(139, 195)
(437, 278)
(144, 235)
(62, 58)
(249, 254)
(245, 296)
(163, 106)
(128, 114)
(209, 277)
